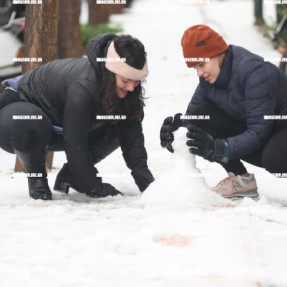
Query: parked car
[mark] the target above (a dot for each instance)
(11, 39)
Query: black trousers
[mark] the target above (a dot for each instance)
(27, 131)
(272, 157)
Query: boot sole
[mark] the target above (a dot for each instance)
(41, 196)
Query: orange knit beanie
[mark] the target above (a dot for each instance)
(200, 43)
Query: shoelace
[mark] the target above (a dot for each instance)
(227, 179)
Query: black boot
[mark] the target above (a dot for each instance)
(65, 179)
(39, 188)
(34, 165)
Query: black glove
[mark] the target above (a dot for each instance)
(203, 144)
(169, 125)
(105, 189)
(143, 178)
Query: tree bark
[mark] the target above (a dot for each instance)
(40, 43)
(41, 33)
(69, 38)
(98, 13)
(92, 11)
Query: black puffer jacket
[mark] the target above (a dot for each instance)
(68, 92)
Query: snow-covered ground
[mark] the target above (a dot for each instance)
(185, 236)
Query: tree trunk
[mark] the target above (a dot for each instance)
(69, 38)
(41, 33)
(40, 43)
(98, 13)
(116, 8)
(92, 11)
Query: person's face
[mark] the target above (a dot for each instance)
(124, 86)
(210, 70)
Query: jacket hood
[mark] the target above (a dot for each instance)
(97, 48)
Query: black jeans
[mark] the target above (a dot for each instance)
(26, 130)
(273, 155)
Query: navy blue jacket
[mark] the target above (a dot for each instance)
(247, 89)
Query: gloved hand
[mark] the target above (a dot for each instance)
(105, 189)
(143, 178)
(203, 144)
(169, 125)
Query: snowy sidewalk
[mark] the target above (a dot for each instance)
(128, 241)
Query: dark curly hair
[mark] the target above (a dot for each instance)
(132, 105)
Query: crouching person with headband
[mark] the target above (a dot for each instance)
(87, 107)
(241, 94)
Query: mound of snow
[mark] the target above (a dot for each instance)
(182, 183)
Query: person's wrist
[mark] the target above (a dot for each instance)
(143, 178)
(221, 150)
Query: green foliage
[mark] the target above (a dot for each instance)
(269, 30)
(90, 31)
(282, 11)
